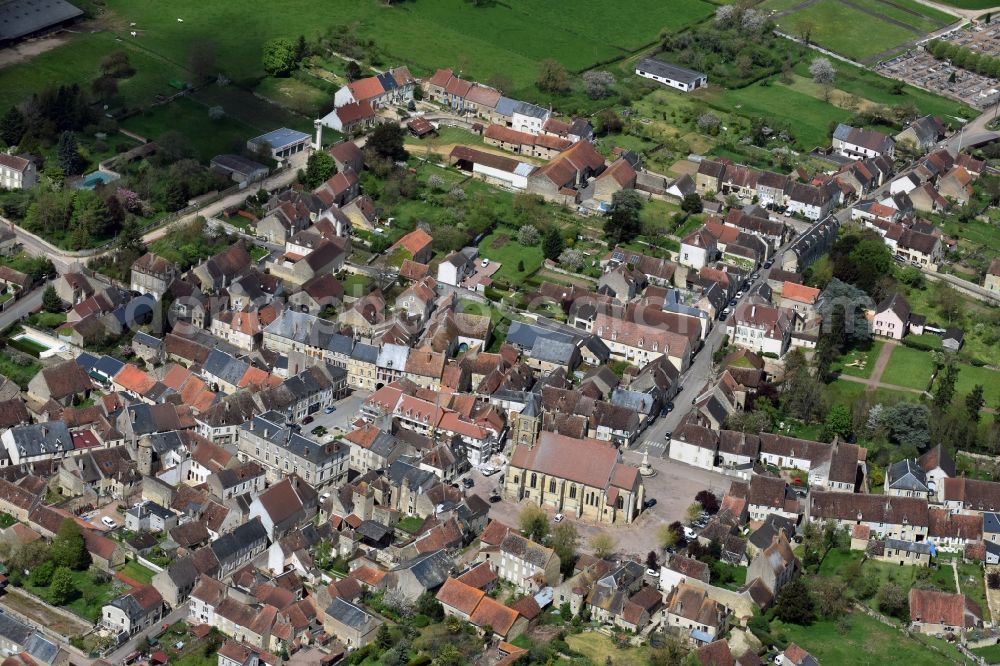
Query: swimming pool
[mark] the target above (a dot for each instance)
(93, 179)
(44, 345)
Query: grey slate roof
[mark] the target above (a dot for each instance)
(38, 438)
(991, 523)
(430, 569)
(401, 472)
(906, 475)
(921, 547)
(353, 616)
(41, 648)
(13, 629)
(668, 71)
(225, 367)
(552, 351)
(23, 17)
(365, 353)
(246, 534)
(270, 426)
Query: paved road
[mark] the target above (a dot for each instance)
(177, 614)
(693, 380)
(25, 306)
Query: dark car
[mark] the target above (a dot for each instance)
(732, 302)
(494, 499)
(468, 483)
(307, 420)
(650, 503)
(769, 263)
(669, 407)
(667, 435)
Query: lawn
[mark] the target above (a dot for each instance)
(970, 375)
(296, 95)
(512, 37)
(908, 367)
(509, 253)
(910, 12)
(858, 362)
(852, 32)
(78, 61)
(17, 372)
(209, 137)
(136, 571)
(970, 4)
(410, 524)
(842, 391)
(93, 594)
(991, 653)
(262, 116)
(356, 285)
(600, 649)
(47, 319)
(867, 642)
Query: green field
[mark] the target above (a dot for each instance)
(136, 571)
(502, 246)
(970, 375)
(209, 137)
(863, 29)
(78, 60)
(847, 364)
(830, 20)
(867, 642)
(970, 4)
(908, 367)
(510, 37)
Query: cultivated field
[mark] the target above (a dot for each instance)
(863, 30)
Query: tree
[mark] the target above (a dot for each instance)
(948, 302)
(623, 222)
(301, 49)
(13, 125)
(428, 605)
(528, 235)
(945, 392)
(572, 259)
(448, 655)
(822, 71)
(383, 638)
(553, 243)
(63, 588)
(691, 203)
(598, 84)
(105, 87)
(794, 604)
(892, 601)
(534, 522)
(68, 548)
(652, 561)
(68, 154)
(908, 423)
(708, 501)
(608, 122)
(386, 141)
(564, 541)
(202, 58)
(279, 56)
(319, 167)
(668, 536)
(974, 403)
(41, 574)
(51, 301)
(603, 545)
(831, 597)
(837, 422)
(861, 259)
(352, 70)
(693, 511)
(552, 76)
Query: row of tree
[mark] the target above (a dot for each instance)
(964, 57)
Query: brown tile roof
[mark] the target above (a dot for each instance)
(368, 575)
(889, 510)
(493, 613)
(690, 567)
(933, 607)
(66, 379)
(973, 493)
(483, 96)
(414, 242)
(460, 596)
(586, 461)
(480, 576)
(716, 653)
(527, 607)
(495, 533)
(944, 523)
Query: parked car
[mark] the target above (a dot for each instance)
(667, 435)
(652, 573)
(109, 522)
(559, 518)
(486, 262)
(769, 263)
(650, 503)
(330, 410)
(467, 482)
(689, 533)
(494, 499)
(307, 420)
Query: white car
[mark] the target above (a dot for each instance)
(559, 518)
(652, 573)
(486, 262)
(689, 533)
(109, 523)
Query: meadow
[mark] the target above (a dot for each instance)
(509, 38)
(861, 30)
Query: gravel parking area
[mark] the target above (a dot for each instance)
(673, 487)
(340, 420)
